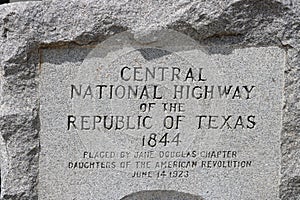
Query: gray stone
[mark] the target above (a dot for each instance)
(27, 27)
(74, 128)
(161, 195)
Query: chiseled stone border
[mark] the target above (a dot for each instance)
(27, 27)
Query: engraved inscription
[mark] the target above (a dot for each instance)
(141, 118)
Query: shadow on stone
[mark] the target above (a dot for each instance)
(152, 53)
(161, 195)
(223, 50)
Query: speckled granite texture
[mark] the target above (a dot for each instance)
(26, 27)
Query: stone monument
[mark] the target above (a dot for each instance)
(129, 100)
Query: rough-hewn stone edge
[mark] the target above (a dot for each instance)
(22, 147)
(24, 28)
(19, 127)
(290, 138)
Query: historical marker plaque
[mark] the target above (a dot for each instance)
(122, 117)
